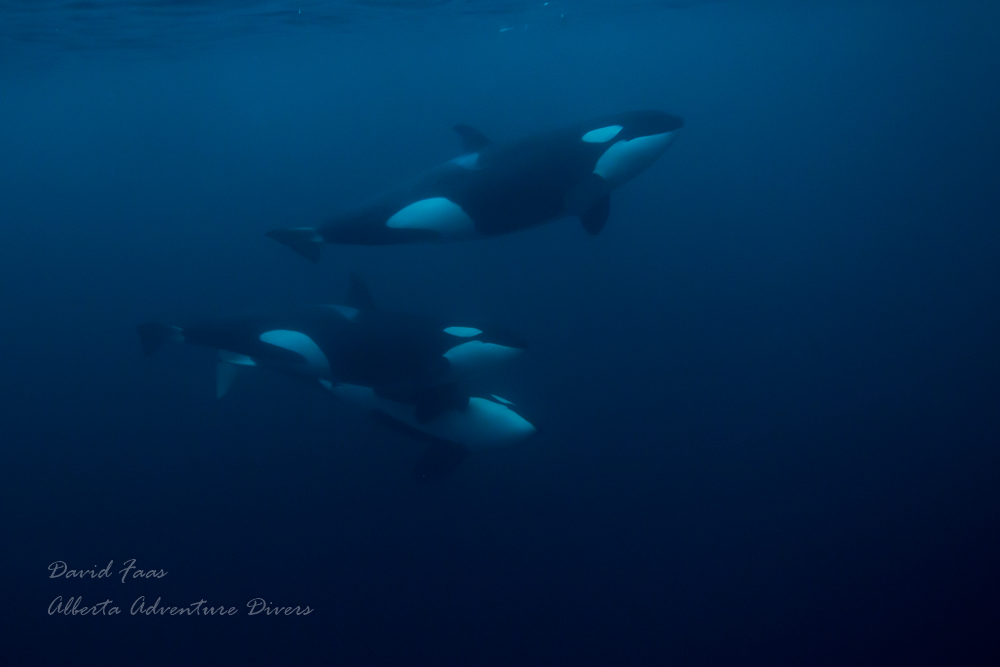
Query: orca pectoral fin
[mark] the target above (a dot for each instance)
(441, 456)
(594, 219)
(585, 195)
(304, 240)
(225, 375)
(358, 295)
(228, 368)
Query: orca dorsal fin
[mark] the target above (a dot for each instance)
(358, 295)
(473, 140)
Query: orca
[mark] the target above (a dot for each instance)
(498, 188)
(410, 372)
(481, 424)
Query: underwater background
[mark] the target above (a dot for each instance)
(768, 393)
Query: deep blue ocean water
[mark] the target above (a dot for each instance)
(769, 390)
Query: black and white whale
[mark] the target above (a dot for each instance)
(409, 371)
(497, 188)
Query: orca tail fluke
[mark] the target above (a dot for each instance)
(153, 335)
(304, 240)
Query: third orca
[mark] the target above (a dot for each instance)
(410, 372)
(496, 188)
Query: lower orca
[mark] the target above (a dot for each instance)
(408, 371)
(497, 188)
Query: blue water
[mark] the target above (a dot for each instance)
(769, 391)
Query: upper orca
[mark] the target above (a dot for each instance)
(499, 188)
(409, 370)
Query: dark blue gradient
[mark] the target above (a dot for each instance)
(769, 390)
